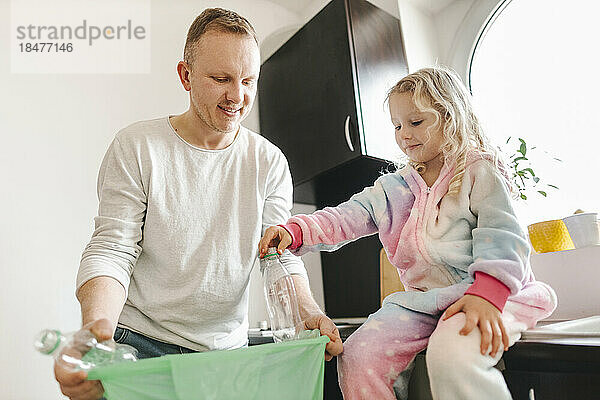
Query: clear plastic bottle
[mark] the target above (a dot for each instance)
(80, 350)
(280, 294)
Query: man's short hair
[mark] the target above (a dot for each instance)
(217, 19)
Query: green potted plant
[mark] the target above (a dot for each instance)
(520, 167)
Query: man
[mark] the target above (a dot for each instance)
(183, 203)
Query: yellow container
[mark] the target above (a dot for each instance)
(550, 236)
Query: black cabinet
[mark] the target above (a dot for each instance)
(321, 98)
(321, 101)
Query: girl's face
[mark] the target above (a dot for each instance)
(411, 127)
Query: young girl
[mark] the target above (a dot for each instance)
(446, 222)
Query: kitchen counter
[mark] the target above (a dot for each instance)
(558, 361)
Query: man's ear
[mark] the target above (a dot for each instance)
(183, 70)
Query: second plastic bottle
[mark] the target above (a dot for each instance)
(80, 350)
(280, 294)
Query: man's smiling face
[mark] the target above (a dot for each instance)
(223, 79)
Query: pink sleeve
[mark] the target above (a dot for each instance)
(489, 288)
(296, 232)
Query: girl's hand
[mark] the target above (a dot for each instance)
(484, 314)
(275, 236)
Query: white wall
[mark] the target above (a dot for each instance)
(575, 276)
(443, 36)
(420, 36)
(460, 25)
(55, 130)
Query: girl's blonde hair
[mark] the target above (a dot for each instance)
(440, 90)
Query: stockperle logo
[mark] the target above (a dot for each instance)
(80, 36)
(85, 31)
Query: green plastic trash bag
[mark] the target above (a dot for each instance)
(287, 370)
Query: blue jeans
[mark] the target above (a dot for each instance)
(146, 346)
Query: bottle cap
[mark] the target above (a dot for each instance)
(47, 341)
(271, 252)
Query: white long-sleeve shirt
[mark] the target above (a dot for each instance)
(178, 226)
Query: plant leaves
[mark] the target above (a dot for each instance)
(520, 175)
(523, 148)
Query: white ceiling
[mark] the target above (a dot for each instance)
(431, 6)
(296, 6)
(428, 6)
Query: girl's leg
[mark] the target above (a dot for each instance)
(456, 367)
(382, 348)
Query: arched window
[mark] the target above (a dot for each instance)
(535, 75)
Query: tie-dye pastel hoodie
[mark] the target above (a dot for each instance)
(443, 246)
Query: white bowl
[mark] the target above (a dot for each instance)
(583, 229)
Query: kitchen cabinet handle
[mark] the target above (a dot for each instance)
(347, 132)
